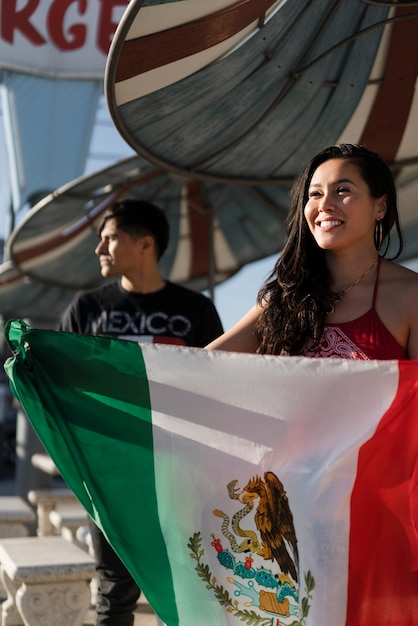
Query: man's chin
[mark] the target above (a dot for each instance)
(106, 271)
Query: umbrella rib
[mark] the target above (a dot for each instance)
(275, 209)
(293, 78)
(387, 3)
(360, 33)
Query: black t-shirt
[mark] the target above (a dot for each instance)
(173, 315)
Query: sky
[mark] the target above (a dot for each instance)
(236, 296)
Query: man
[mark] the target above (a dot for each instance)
(139, 306)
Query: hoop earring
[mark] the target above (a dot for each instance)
(378, 234)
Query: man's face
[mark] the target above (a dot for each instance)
(117, 250)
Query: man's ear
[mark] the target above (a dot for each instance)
(148, 244)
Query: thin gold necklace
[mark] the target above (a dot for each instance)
(350, 287)
(360, 278)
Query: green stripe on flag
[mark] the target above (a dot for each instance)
(98, 439)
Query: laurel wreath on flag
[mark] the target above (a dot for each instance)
(224, 598)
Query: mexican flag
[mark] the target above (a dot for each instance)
(238, 489)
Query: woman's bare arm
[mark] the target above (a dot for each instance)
(241, 337)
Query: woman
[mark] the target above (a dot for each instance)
(332, 292)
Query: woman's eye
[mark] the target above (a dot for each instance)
(342, 190)
(314, 194)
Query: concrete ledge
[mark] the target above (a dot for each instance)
(44, 463)
(16, 516)
(67, 519)
(51, 496)
(44, 559)
(45, 577)
(46, 501)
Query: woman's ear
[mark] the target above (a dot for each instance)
(382, 207)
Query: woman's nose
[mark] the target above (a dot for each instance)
(325, 203)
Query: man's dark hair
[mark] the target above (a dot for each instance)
(139, 217)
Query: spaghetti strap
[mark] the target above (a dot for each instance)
(376, 284)
(365, 337)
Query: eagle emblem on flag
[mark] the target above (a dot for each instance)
(258, 548)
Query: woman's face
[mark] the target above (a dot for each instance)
(340, 212)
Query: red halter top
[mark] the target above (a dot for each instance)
(364, 338)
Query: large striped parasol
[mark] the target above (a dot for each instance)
(215, 230)
(24, 298)
(248, 91)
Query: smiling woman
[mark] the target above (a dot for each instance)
(341, 211)
(334, 291)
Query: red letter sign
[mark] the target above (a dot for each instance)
(56, 17)
(12, 20)
(107, 28)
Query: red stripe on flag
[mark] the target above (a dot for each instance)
(388, 118)
(158, 49)
(383, 552)
(170, 341)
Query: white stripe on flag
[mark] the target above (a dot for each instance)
(330, 420)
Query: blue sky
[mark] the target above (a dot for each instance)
(236, 296)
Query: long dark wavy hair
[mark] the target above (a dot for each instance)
(296, 297)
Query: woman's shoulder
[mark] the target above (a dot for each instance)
(399, 276)
(399, 287)
(398, 304)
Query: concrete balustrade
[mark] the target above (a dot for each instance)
(47, 580)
